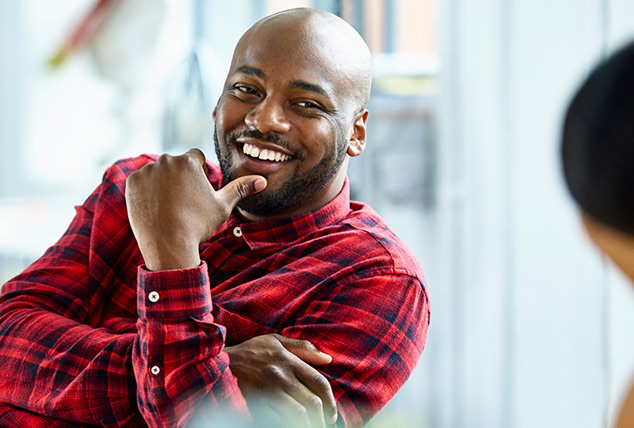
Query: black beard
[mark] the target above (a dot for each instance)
(293, 193)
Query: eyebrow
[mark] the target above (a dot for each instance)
(295, 84)
(252, 71)
(302, 84)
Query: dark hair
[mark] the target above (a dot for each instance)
(598, 142)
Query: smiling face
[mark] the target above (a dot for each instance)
(291, 109)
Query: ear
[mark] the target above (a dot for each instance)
(213, 114)
(356, 145)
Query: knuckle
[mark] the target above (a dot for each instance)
(242, 189)
(274, 371)
(295, 343)
(196, 153)
(306, 345)
(280, 356)
(194, 156)
(321, 380)
(316, 403)
(164, 159)
(190, 159)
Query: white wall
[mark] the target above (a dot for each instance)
(531, 316)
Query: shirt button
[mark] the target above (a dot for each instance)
(155, 370)
(153, 296)
(237, 232)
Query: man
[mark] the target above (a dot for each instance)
(168, 299)
(597, 153)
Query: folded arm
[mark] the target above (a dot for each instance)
(341, 359)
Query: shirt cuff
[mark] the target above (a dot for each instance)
(173, 294)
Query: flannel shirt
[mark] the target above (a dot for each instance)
(89, 337)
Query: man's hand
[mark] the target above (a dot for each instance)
(278, 383)
(173, 208)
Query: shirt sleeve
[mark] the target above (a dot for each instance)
(374, 325)
(178, 361)
(53, 362)
(149, 363)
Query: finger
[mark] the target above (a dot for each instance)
(240, 188)
(314, 380)
(305, 350)
(289, 392)
(311, 403)
(319, 388)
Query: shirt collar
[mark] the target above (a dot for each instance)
(281, 231)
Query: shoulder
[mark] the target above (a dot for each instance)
(367, 241)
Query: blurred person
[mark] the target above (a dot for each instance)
(187, 291)
(598, 164)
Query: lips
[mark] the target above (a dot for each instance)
(265, 154)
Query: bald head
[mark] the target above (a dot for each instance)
(321, 41)
(294, 100)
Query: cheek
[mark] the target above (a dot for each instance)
(340, 138)
(228, 113)
(329, 133)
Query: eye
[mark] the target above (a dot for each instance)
(308, 105)
(246, 93)
(246, 90)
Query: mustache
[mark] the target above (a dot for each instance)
(270, 137)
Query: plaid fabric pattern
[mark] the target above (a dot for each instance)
(88, 337)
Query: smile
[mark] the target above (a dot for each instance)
(264, 154)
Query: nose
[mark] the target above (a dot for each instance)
(268, 116)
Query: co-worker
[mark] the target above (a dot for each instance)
(598, 161)
(182, 286)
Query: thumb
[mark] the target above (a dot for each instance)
(305, 350)
(240, 188)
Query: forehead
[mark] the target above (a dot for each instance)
(309, 50)
(287, 63)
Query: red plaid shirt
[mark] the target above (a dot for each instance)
(89, 336)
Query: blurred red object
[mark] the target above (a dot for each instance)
(84, 32)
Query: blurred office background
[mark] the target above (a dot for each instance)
(529, 322)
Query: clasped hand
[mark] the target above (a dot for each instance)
(280, 385)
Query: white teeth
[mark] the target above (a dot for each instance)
(264, 154)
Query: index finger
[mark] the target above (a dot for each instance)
(305, 350)
(318, 385)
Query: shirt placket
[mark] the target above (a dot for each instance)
(222, 246)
